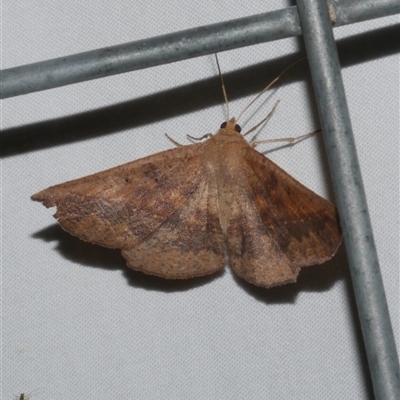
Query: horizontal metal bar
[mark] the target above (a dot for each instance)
(350, 198)
(351, 11)
(149, 52)
(177, 46)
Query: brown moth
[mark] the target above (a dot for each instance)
(177, 214)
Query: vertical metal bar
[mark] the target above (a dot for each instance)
(350, 198)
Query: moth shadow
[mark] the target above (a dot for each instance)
(316, 278)
(151, 282)
(91, 255)
(80, 252)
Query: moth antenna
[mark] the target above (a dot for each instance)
(223, 86)
(263, 120)
(268, 86)
(290, 140)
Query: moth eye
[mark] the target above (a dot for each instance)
(223, 125)
(238, 129)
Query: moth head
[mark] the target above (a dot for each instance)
(231, 126)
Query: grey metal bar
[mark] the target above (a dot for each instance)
(150, 52)
(351, 11)
(177, 46)
(350, 198)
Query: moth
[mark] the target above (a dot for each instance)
(183, 212)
